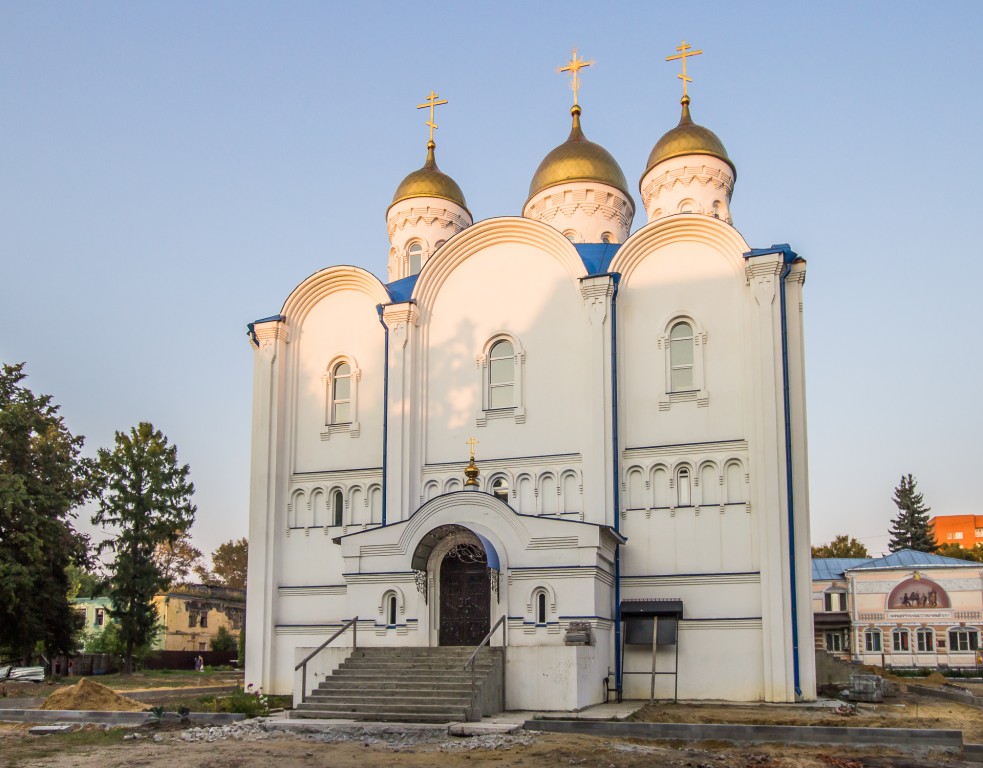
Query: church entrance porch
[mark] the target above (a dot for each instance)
(465, 595)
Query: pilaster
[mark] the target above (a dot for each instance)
(404, 477)
(598, 445)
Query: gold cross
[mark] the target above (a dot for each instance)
(683, 53)
(573, 67)
(432, 103)
(472, 443)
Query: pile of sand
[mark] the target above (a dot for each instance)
(91, 696)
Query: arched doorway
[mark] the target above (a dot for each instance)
(465, 594)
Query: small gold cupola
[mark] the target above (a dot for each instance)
(688, 170)
(579, 188)
(427, 209)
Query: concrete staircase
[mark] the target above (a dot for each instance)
(408, 685)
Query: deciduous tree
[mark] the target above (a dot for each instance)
(229, 563)
(147, 501)
(43, 478)
(177, 559)
(841, 546)
(974, 553)
(910, 529)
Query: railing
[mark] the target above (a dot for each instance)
(473, 658)
(353, 623)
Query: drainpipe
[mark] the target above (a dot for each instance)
(788, 476)
(385, 416)
(616, 485)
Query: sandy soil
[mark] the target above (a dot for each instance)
(18, 750)
(86, 694)
(909, 711)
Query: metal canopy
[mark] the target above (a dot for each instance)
(637, 609)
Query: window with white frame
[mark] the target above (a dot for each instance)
(681, 358)
(963, 639)
(500, 489)
(925, 640)
(415, 255)
(900, 640)
(341, 394)
(684, 491)
(872, 640)
(834, 601)
(501, 364)
(979, 533)
(958, 535)
(834, 641)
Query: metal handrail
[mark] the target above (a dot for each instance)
(353, 623)
(471, 661)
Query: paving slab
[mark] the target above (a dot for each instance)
(483, 728)
(45, 730)
(320, 725)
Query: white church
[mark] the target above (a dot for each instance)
(633, 408)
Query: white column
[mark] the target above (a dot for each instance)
(263, 527)
(598, 450)
(403, 481)
(767, 460)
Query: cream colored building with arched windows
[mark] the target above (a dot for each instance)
(638, 399)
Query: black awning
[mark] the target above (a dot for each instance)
(650, 608)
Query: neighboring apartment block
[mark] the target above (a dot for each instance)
(964, 530)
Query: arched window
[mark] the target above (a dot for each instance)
(900, 640)
(541, 608)
(341, 394)
(501, 375)
(684, 496)
(607, 237)
(391, 610)
(500, 489)
(681, 358)
(925, 637)
(415, 253)
(337, 508)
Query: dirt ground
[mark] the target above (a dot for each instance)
(252, 745)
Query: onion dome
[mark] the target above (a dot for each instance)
(688, 138)
(578, 159)
(429, 181)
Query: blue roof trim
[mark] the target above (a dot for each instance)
(402, 290)
(788, 255)
(834, 568)
(251, 327)
(597, 257)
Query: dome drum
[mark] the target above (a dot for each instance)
(417, 228)
(688, 184)
(584, 213)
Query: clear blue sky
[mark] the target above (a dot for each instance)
(170, 171)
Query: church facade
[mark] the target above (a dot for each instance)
(635, 404)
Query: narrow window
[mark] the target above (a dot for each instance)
(391, 608)
(834, 641)
(203, 619)
(100, 617)
(541, 608)
(501, 375)
(872, 640)
(341, 394)
(835, 601)
(416, 258)
(681, 357)
(926, 640)
(337, 508)
(500, 489)
(607, 237)
(683, 488)
(899, 640)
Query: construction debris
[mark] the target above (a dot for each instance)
(87, 695)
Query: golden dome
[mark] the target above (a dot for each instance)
(688, 138)
(430, 181)
(578, 159)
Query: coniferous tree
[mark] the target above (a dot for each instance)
(910, 529)
(147, 500)
(42, 479)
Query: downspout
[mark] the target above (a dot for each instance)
(385, 416)
(616, 485)
(788, 476)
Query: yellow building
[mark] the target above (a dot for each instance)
(192, 615)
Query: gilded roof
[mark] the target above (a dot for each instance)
(688, 138)
(578, 159)
(429, 181)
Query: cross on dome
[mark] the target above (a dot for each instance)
(432, 103)
(684, 52)
(573, 67)
(471, 444)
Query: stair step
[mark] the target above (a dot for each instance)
(341, 699)
(383, 707)
(397, 717)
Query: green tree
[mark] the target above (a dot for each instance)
(147, 500)
(841, 546)
(43, 478)
(83, 583)
(229, 564)
(177, 559)
(223, 640)
(910, 529)
(974, 553)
